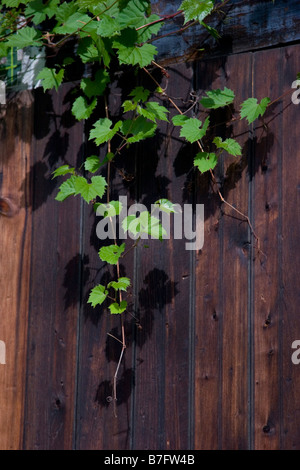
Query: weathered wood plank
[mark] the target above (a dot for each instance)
(288, 285)
(221, 392)
(163, 405)
(243, 26)
(208, 282)
(15, 234)
(55, 279)
(267, 188)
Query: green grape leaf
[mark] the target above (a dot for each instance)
(205, 161)
(87, 50)
(196, 9)
(251, 109)
(97, 86)
(39, 10)
(137, 55)
(153, 111)
(25, 37)
(97, 295)
(166, 206)
(111, 253)
(103, 132)
(179, 119)
(133, 13)
(90, 191)
(92, 164)
(129, 106)
(144, 224)
(108, 26)
(81, 109)
(214, 33)
(121, 284)
(110, 209)
(50, 79)
(116, 308)
(72, 23)
(96, 6)
(140, 129)
(217, 98)
(230, 145)
(139, 94)
(65, 11)
(192, 131)
(66, 189)
(12, 3)
(63, 170)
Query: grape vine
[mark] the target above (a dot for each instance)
(122, 32)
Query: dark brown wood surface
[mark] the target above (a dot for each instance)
(209, 332)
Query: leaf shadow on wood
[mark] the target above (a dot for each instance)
(159, 291)
(77, 273)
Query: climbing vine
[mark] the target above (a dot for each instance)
(110, 34)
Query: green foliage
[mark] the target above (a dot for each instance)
(217, 98)
(191, 128)
(230, 145)
(118, 32)
(111, 253)
(205, 161)
(50, 79)
(196, 9)
(97, 295)
(251, 109)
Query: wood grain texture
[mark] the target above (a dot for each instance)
(164, 277)
(55, 279)
(267, 300)
(15, 229)
(288, 285)
(243, 26)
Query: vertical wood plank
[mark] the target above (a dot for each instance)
(290, 261)
(208, 281)
(15, 235)
(162, 404)
(235, 272)
(221, 387)
(266, 173)
(55, 279)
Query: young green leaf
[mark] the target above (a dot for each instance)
(103, 132)
(97, 295)
(27, 36)
(191, 129)
(72, 23)
(92, 164)
(121, 284)
(179, 119)
(230, 145)
(116, 308)
(66, 189)
(196, 9)
(139, 94)
(205, 161)
(153, 111)
(50, 79)
(110, 209)
(136, 55)
(81, 109)
(144, 224)
(97, 86)
(217, 98)
(108, 26)
(87, 50)
(63, 170)
(251, 109)
(166, 206)
(139, 129)
(111, 253)
(90, 191)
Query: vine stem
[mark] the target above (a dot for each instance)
(211, 172)
(123, 342)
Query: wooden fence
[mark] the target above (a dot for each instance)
(208, 363)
